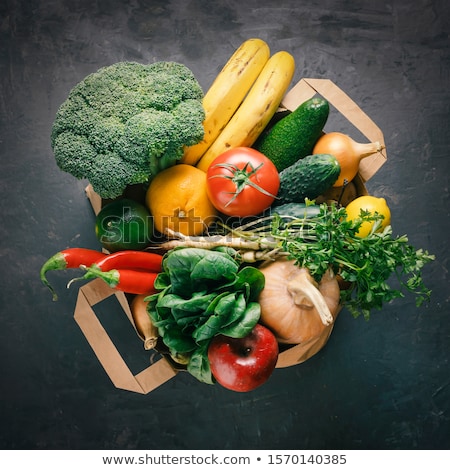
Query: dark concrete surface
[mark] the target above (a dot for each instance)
(382, 384)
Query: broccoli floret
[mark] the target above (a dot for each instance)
(126, 122)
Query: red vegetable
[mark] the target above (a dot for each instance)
(126, 280)
(131, 259)
(242, 182)
(69, 258)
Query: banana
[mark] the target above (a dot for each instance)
(227, 92)
(256, 110)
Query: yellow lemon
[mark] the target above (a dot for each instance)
(178, 201)
(370, 204)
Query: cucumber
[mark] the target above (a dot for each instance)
(277, 117)
(299, 210)
(308, 178)
(293, 137)
(287, 212)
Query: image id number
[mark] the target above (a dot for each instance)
(304, 459)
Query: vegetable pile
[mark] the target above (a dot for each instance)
(261, 236)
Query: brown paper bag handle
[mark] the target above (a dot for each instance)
(120, 374)
(306, 88)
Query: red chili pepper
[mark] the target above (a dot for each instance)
(126, 280)
(131, 259)
(69, 258)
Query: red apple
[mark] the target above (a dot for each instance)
(243, 364)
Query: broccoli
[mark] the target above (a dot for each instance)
(126, 122)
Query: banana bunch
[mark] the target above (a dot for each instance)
(241, 101)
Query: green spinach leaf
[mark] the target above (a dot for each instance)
(199, 366)
(227, 309)
(252, 280)
(177, 340)
(194, 269)
(243, 325)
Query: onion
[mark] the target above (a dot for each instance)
(347, 152)
(293, 305)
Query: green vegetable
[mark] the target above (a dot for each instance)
(330, 240)
(203, 293)
(293, 137)
(124, 224)
(124, 123)
(308, 178)
(296, 210)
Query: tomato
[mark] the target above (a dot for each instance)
(242, 182)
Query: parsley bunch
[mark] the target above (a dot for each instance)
(369, 264)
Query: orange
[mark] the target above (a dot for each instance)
(370, 204)
(177, 200)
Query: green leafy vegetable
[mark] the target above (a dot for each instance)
(199, 366)
(368, 263)
(203, 293)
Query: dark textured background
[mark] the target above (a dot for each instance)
(382, 384)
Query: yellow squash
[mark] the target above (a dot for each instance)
(227, 92)
(256, 110)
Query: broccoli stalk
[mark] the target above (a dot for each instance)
(127, 122)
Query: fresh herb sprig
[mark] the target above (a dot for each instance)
(369, 263)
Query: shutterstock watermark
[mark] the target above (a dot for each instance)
(135, 228)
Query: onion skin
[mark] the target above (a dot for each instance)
(347, 152)
(286, 306)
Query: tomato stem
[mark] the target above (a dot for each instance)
(241, 178)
